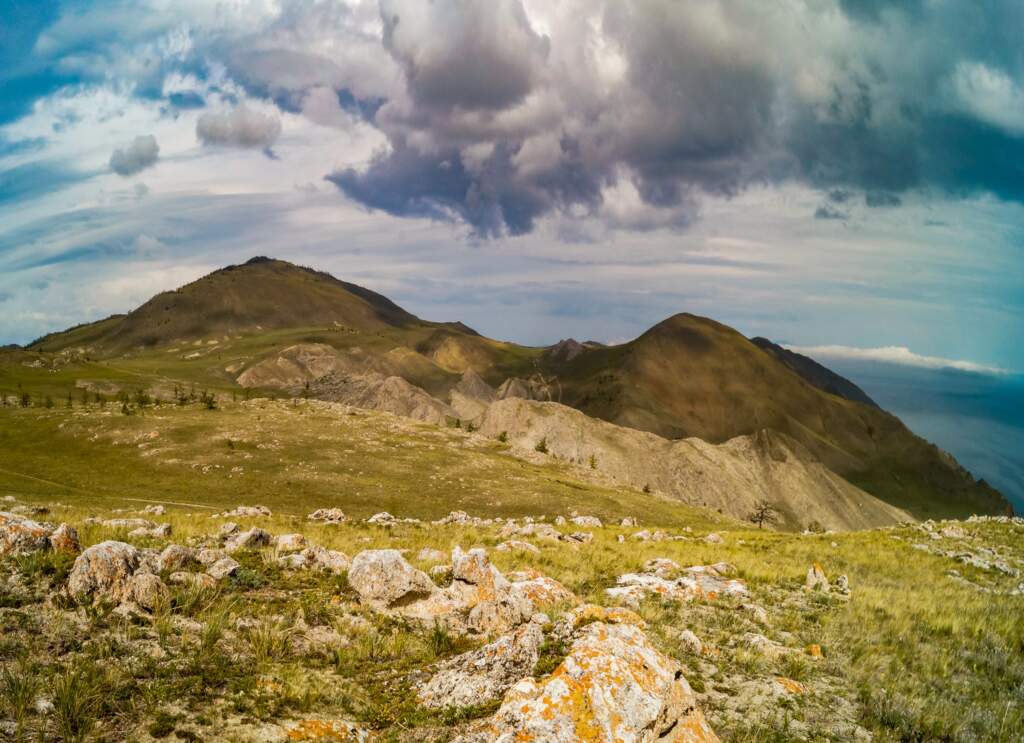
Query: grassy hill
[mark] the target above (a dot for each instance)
(686, 376)
(276, 654)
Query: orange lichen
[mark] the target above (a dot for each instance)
(791, 686)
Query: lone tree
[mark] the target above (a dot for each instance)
(763, 513)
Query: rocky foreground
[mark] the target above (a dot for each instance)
(250, 626)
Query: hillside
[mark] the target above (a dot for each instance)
(228, 574)
(270, 327)
(820, 376)
(260, 295)
(691, 376)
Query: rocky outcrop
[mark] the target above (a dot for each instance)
(383, 578)
(613, 685)
(20, 535)
(701, 581)
(104, 571)
(471, 396)
(485, 674)
(733, 476)
(478, 600)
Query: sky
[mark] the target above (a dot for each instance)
(838, 175)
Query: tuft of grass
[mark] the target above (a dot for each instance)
(18, 689)
(270, 639)
(77, 699)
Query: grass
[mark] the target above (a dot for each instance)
(909, 640)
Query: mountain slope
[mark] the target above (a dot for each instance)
(690, 376)
(732, 477)
(262, 294)
(820, 376)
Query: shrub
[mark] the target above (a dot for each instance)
(503, 437)
(542, 445)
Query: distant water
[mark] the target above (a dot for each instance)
(978, 418)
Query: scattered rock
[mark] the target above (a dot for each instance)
(590, 522)
(246, 512)
(227, 529)
(129, 524)
(287, 543)
(247, 540)
(175, 557)
(757, 613)
(538, 530)
(63, 539)
(485, 674)
(202, 580)
(382, 519)
(613, 685)
(159, 531)
(223, 568)
(700, 581)
(104, 571)
(156, 510)
(579, 537)
(691, 642)
(816, 579)
(628, 521)
(713, 538)
(384, 578)
(148, 591)
(328, 516)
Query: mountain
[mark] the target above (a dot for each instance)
(820, 376)
(262, 294)
(273, 326)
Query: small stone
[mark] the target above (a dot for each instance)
(288, 543)
(176, 557)
(65, 539)
(691, 642)
(223, 568)
(247, 540)
(713, 538)
(148, 591)
(816, 579)
(328, 515)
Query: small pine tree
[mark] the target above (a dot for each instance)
(542, 445)
(503, 437)
(762, 514)
(593, 461)
(48, 402)
(70, 403)
(647, 488)
(25, 399)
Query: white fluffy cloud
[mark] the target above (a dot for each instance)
(137, 156)
(241, 127)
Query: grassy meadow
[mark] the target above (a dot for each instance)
(916, 653)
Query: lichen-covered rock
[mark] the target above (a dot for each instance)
(537, 530)
(614, 686)
(382, 519)
(628, 521)
(701, 581)
(148, 591)
(65, 539)
(542, 590)
(384, 578)
(176, 557)
(208, 556)
(816, 579)
(157, 531)
(713, 538)
(227, 529)
(104, 571)
(579, 537)
(287, 543)
(485, 674)
(253, 538)
(223, 568)
(590, 522)
(328, 515)
(474, 568)
(19, 535)
(246, 512)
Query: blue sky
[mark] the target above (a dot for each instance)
(841, 173)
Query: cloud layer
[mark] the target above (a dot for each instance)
(240, 127)
(900, 355)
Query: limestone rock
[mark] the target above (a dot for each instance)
(590, 522)
(223, 568)
(487, 673)
(129, 524)
(700, 581)
(288, 543)
(247, 540)
(202, 580)
(175, 557)
(104, 571)
(382, 519)
(247, 512)
(19, 535)
(383, 577)
(148, 591)
(328, 515)
(816, 579)
(691, 642)
(628, 521)
(613, 685)
(65, 539)
(331, 561)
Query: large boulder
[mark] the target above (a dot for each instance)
(485, 674)
(612, 686)
(104, 571)
(385, 578)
